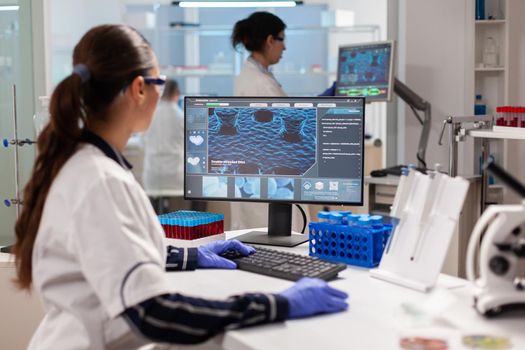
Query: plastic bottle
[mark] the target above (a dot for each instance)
(480, 108)
(364, 222)
(336, 218)
(352, 219)
(345, 216)
(480, 9)
(376, 220)
(41, 118)
(323, 216)
(490, 52)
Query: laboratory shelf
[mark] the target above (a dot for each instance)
(490, 134)
(490, 69)
(490, 21)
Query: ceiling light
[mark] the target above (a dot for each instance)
(237, 3)
(9, 8)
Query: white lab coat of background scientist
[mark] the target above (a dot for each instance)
(163, 146)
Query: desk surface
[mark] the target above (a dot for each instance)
(373, 320)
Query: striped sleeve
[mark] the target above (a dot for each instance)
(174, 318)
(181, 259)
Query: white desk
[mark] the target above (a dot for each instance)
(372, 321)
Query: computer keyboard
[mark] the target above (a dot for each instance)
(284, 265)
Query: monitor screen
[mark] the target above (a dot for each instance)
(366, 70)
(279, 150)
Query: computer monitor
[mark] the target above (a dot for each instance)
(366, 70)
(279, 150)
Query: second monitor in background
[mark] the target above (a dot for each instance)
(366, 70)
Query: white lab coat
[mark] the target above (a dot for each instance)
(99, 250)
(163, 146)
(255, 80)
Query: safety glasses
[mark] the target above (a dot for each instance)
(160, 81)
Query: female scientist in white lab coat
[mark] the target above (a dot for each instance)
(262, 34)
(88, 239)
(163, 146)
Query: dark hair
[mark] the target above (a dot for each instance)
(171, 88)
(252, 32)
(109, 57)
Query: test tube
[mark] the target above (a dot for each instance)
(499, 117)
(514, 122)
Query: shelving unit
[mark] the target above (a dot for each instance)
(492, 82)
(316, 71)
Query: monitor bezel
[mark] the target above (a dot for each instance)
(220, 199)
(390, 73)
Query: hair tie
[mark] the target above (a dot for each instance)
(82, 71)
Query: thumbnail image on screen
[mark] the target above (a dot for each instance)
(366, 70)
(274, 149)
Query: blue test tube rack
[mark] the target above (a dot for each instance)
(353, 245)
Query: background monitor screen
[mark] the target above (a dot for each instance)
(289, 149)
(366, 70)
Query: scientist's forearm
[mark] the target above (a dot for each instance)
(175, 318)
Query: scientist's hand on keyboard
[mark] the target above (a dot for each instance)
(311, 296)
(208, 255)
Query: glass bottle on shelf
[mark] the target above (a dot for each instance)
(480, 108)
(490, 53)
(480, 9)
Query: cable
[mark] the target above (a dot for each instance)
(422, 161)
(305, 221)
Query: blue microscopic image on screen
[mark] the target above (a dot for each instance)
(280, 188)
(364, 66)
(215, 186)
(247, 187)
(261, 141)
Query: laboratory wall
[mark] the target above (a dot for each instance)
(68, 21)
(516, 149)
(436, 65)
(433, 35)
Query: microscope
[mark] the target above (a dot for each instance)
(499, 234)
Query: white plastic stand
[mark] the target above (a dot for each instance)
(428, 208)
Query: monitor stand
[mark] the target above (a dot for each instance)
(279, 229)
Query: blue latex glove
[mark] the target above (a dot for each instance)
(330, 91)
(208, 255)
(311, 296)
